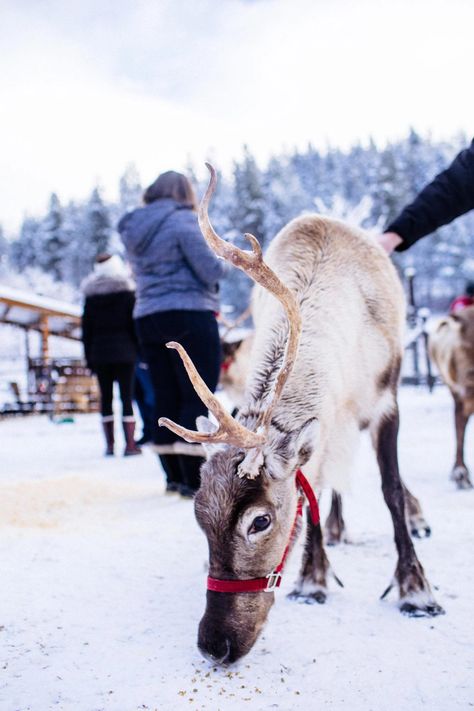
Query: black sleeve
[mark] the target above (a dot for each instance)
(87, 327)
(448, 196)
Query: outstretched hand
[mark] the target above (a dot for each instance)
(389, 240)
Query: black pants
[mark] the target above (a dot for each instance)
(175, 397)
(143, 396)
(123, 373)
(181, 469)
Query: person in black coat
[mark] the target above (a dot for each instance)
(109, 342)
(449, 195)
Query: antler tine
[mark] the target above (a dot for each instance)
(229, 430)
(252, 264)
(238, 257)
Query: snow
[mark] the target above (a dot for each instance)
(38, 302)
(103, 585)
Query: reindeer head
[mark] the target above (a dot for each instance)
(247, 501)
(248, 524)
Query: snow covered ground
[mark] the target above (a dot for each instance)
(102, 585)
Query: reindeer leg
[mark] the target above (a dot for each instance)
(416, 598)
(335, 528)
(311, 585)
(417, 524)
(460, 473)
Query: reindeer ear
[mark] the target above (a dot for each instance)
(288, 451)
(204, 424)
(459, 321)
(306, 440)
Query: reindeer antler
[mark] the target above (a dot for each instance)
(230, 431)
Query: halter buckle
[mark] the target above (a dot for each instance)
(273, 581)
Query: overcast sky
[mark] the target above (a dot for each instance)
(87, 86)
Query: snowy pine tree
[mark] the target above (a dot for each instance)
(97, 224)
(130, 189)
(76, 264)
(363, 183)
(235, 286)
(284, 196)
(4, 247)
(249, 208)
(52, 242)
(25, 249)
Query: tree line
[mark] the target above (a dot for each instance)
(366, 185)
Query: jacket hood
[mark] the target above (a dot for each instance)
(135, 227)
(108, 277)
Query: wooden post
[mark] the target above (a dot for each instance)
(44, 326)
(410, 273)
(27, 357)
(424, 314)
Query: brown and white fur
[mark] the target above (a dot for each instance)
(451, 346)
(339, 350)
(235, 368)
(233, 380)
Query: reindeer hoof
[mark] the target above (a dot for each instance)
(295, 596)
(331, 538)
(420, 530)
(428, 610)
(319, 596)
(460, 475)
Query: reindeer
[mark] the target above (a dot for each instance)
(235, 365)
(451, 347)
(237, 357)
(325, 364)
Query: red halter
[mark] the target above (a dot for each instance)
(272, 581)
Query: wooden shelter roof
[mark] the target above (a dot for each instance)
(31, 311)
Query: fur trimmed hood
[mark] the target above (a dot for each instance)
(108, 277)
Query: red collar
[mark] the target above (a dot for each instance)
(226, 363)
(272, 581)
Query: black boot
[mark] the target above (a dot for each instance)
(190, 468)
(172, 469)
(108, 427)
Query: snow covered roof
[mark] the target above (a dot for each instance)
(28, 310)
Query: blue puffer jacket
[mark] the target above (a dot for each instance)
(171, 261)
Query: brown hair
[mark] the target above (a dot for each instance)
(102, 257)
(171, 185)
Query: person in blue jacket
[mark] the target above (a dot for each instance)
(177, 299)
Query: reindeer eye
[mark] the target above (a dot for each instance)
(260, 523)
